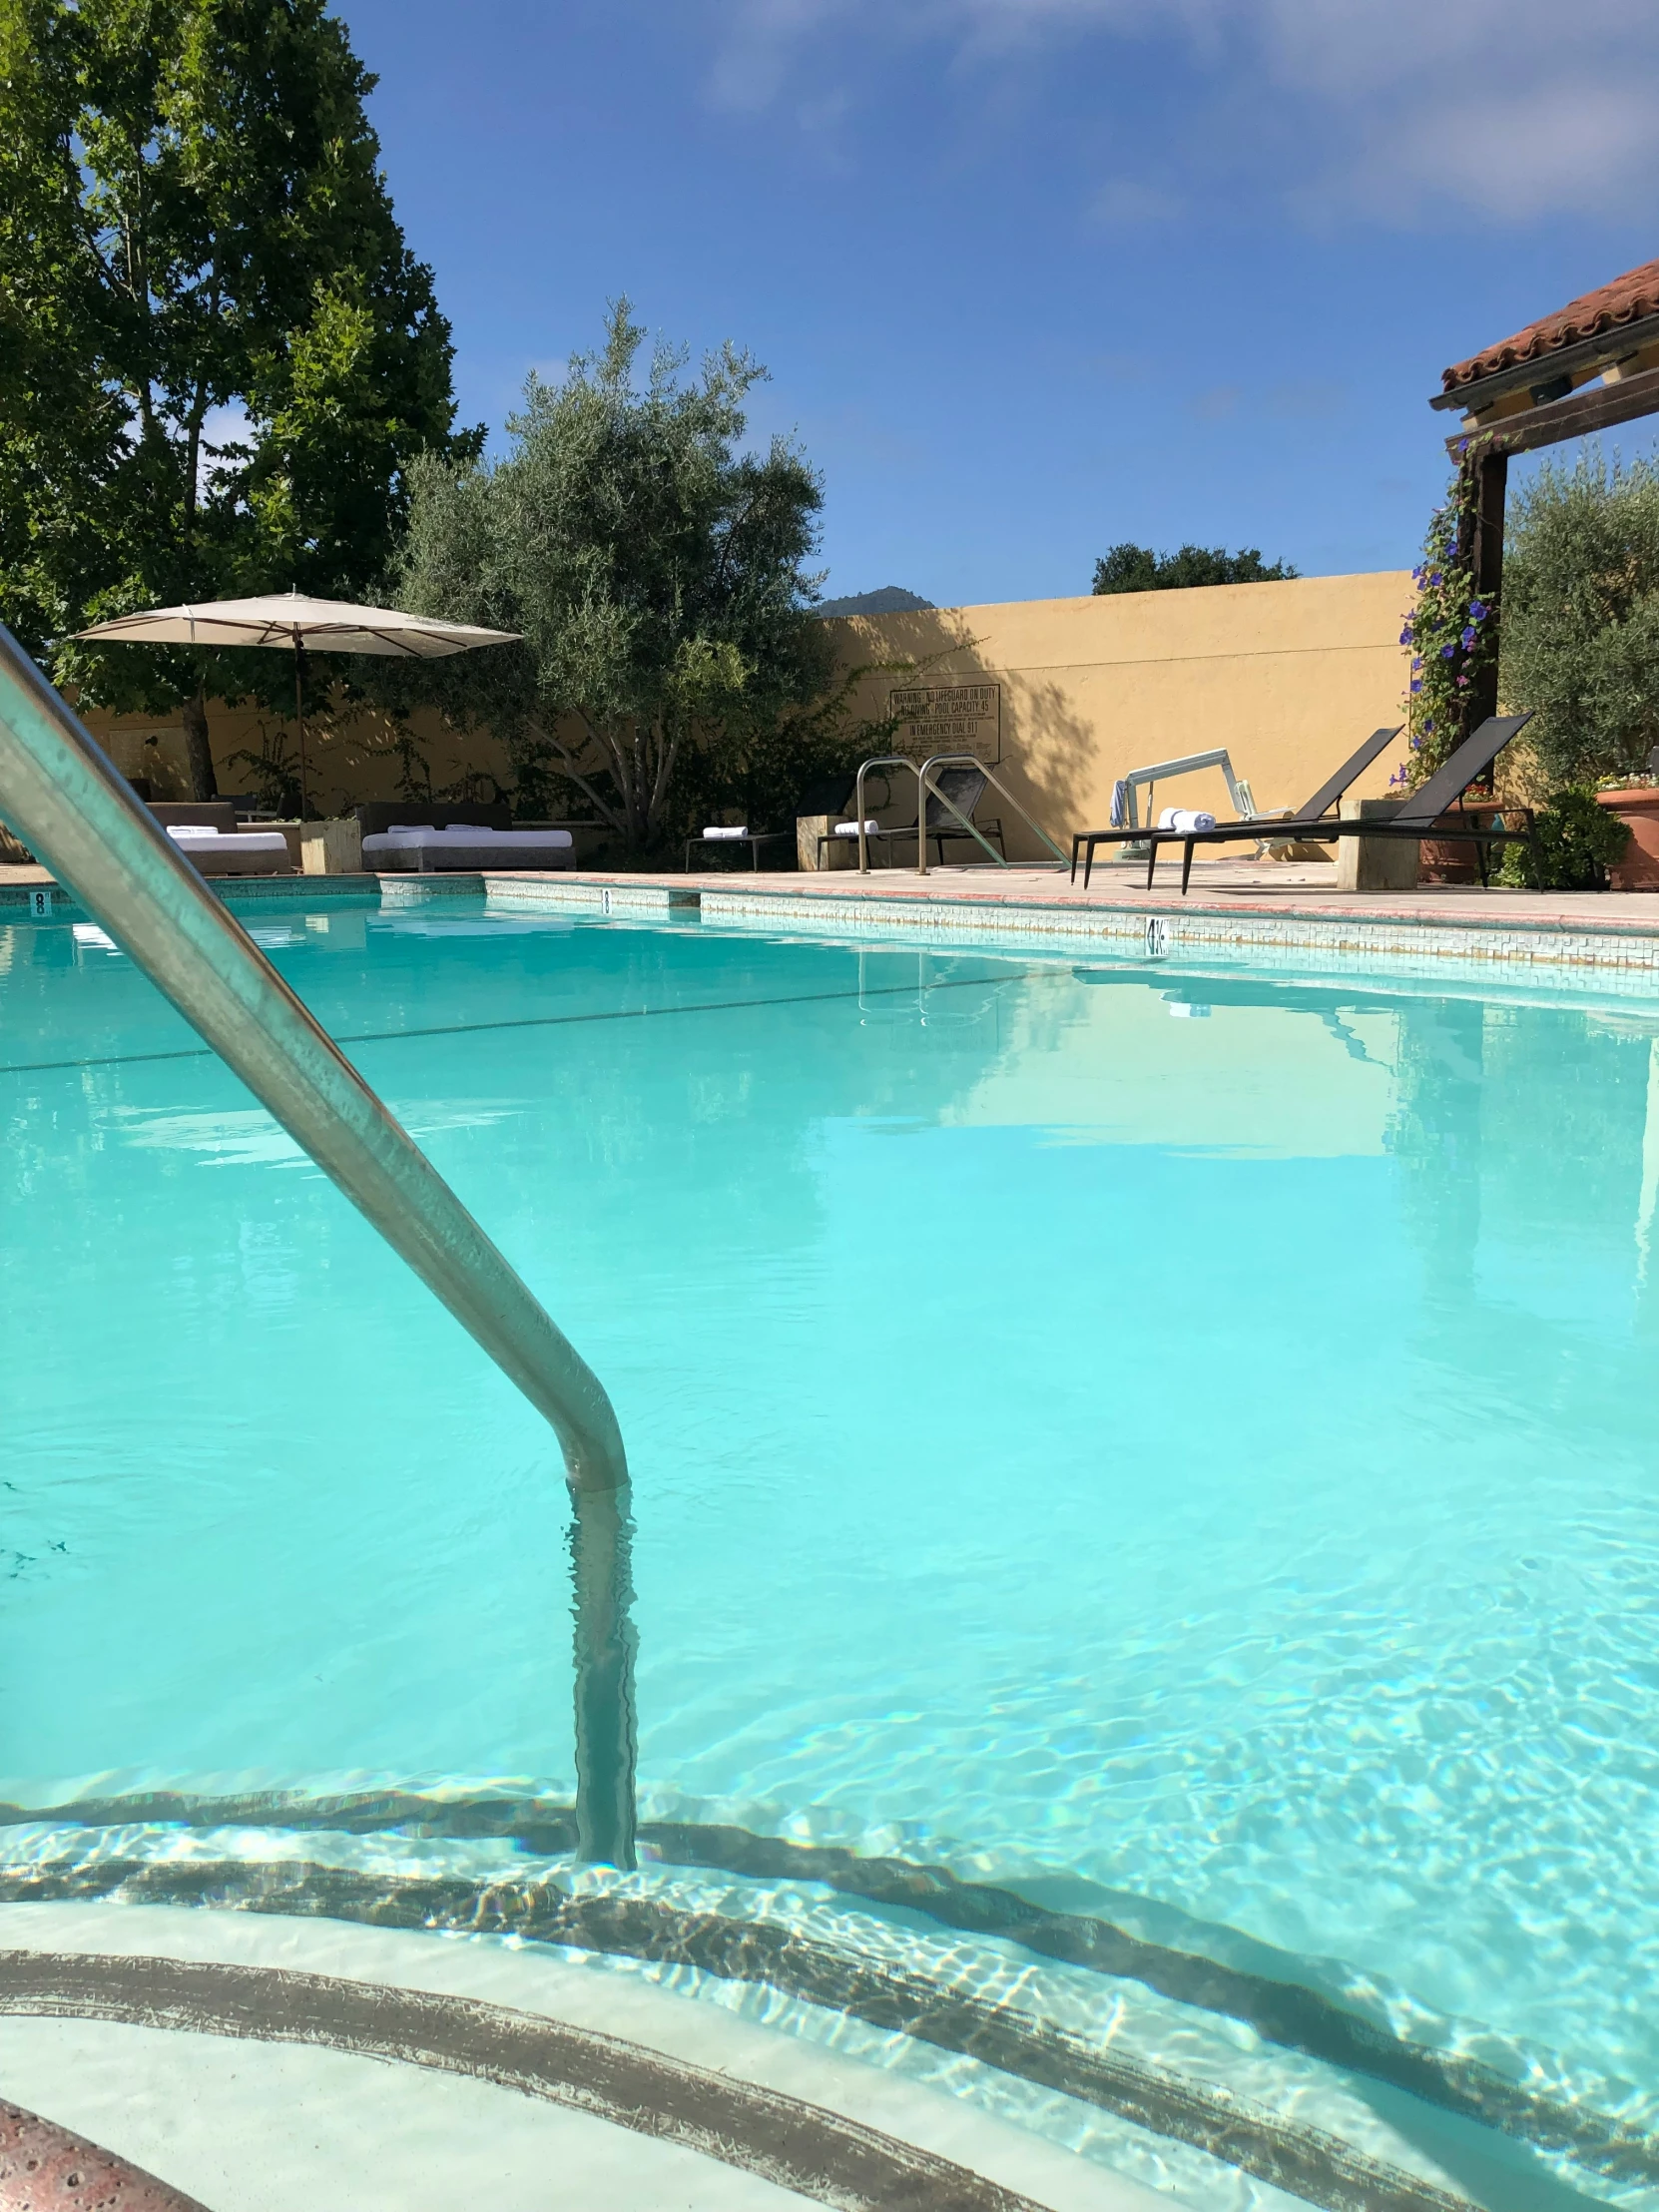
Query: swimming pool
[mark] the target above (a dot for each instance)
(1172, 1449)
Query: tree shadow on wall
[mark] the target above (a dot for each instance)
(1045, 745)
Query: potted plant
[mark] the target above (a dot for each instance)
(1634, 800)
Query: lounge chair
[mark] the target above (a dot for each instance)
(400, 836)
(215, 843)
(716, 839)
(963, 786)
(1313, 819)
(422, 850)
(1419, 816)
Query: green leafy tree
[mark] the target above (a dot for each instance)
(1138, 568)
(218, 358)
(1580, 641)
(655, 569)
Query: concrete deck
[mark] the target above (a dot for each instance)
(1262, 914)
(1298, 890)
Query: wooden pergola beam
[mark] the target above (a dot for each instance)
(1596, 407)
(1537, 388)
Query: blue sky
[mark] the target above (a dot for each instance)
(1032, 277)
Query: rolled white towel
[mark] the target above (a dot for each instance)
(715, 834)
(189, 832)
(850, 828)
(1186, 818)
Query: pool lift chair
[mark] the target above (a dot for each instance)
(1126, 828)
(948, 788)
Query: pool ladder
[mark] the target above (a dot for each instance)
(927, 789)
(68, 803)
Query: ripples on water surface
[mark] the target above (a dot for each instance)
(1182, 1441)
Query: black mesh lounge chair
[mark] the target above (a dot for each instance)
(1311, 820)
(1418, 817)
(964, 787)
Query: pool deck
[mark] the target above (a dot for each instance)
(1233, 908)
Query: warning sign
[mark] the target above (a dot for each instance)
(948, 717)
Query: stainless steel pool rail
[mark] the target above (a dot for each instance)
(70, 805)
(926, 789)
(972, 760)
(884, 760)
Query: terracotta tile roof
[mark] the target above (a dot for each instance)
(1626, 300)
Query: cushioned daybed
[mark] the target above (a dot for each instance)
(465, 845)
(233, 852)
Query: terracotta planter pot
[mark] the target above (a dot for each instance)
(1452, 860)
(1639, 812)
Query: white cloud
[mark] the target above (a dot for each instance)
(1403, 107)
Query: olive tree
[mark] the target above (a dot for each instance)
(654, 568)
(1580, 636)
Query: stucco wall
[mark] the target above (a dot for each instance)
(357, 760)
(1287, 676)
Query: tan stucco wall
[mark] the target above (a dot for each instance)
(346, 762)
(1287, 676)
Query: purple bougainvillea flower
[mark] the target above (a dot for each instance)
(1405, 637)
(1463, 681)
(1478, 613)
(1416, 683)
(1448, 653)
(1417, 660)
(1469, 638)
(1435, 580)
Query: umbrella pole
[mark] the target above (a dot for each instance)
(299, 716)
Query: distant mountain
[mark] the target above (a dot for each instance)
(889, 600)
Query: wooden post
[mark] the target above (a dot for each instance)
(1491, 479)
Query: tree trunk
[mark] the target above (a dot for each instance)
(198, 751)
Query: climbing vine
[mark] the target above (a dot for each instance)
(1450, 633)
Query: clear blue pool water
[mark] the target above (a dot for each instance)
(1184, 1438)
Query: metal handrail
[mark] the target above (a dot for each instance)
(884, 760)
(971, 760)
(65, 801)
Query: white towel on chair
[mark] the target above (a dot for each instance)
(1185, 817)
(850, 828)
(714, 835)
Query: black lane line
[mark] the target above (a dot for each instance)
(804, 2148)
(1283, 2013)
(529, 1022)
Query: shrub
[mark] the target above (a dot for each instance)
(1574, 844)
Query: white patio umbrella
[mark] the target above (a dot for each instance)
(299, 625)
